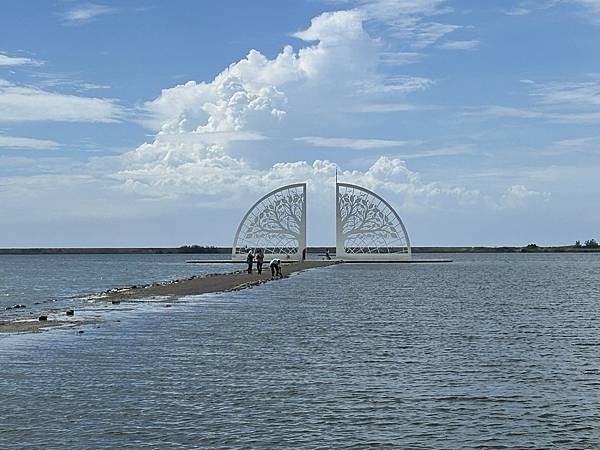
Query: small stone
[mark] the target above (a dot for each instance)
(70, 312)
(43, 318)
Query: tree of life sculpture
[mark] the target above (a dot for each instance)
(276, 223)
(367, 227)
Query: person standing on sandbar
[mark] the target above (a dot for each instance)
(260, 257)
(250, 261)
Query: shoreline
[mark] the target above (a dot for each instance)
(166, 292)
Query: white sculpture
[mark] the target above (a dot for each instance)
(367, 227)
(276, 223)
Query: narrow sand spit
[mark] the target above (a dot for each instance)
(32, 326)
(224, 282)
(168, 292)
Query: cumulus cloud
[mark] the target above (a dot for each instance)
(197, 123)
(519, 196)
(21, 103)
(253, 97)
(14, 142)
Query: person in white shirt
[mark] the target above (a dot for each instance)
(275, 266)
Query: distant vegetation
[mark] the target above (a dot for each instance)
(202, 249)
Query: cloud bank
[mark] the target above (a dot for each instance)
(197, 123)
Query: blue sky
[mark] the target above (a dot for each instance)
(137, 123)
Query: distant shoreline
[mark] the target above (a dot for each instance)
(227, 250)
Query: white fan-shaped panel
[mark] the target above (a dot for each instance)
(367, 227)
(276, 223)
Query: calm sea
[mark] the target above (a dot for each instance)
(44, 283)
(489, 351)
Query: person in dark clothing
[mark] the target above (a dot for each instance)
(250, 261)
(260, 257)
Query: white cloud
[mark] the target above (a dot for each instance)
(518, 11)
(524, 113)
(86, 12)
(569, 93)
(6, 60)
(408, 21)
(591, 8)
(518, 196)
(460, 45)
(354, 144)
(336, 72)
(383, 108)
(400, 58)
(568, 102)
(27, 143)
(20, 103)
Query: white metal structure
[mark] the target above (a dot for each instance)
(276, 223)
(367, 227)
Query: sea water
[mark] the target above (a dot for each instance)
(44, 283)
(488, 351)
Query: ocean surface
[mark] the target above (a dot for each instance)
(46, 283)
(492, 350)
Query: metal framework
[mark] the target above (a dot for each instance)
(367, 227)
(276, 223)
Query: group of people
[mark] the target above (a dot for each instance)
(259, 257)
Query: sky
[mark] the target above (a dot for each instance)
(151, 123)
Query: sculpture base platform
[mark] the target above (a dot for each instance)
(391, 261)
(235, 261)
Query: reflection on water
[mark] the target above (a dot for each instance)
(490, 351)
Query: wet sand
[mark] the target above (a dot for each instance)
(31, 326)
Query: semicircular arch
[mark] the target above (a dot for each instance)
(367, 226)
(276, 223)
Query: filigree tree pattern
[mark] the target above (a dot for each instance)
(367, 224)
(276, 223)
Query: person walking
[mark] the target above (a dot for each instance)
(327, 255)
(250, 261)
(275, 266)
(260, 257)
